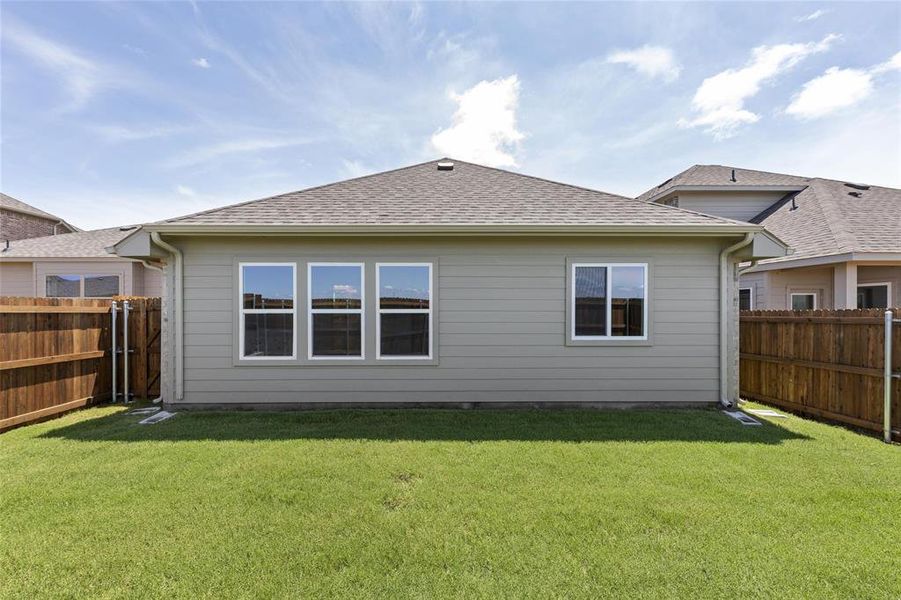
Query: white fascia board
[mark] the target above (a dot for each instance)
(725, 229)
(814, 261)
(724, 188)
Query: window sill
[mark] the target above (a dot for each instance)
(578, 343)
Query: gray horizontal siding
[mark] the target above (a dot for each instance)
(500, 325)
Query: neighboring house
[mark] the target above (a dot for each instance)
(19, 221)
(74, 265)
(845, 237)
(449, 283)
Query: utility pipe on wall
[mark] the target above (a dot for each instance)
(179, 314)
(114, 309)
(725, 313)
(126, 307)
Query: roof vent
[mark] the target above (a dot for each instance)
(857, 186)
(855, 194)
(445, 165)
(733, 176)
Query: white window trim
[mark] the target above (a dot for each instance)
(791, 299)
(886, 284)
(609, 325)
(750, 296)
(336, 311)
(251, 311)
(81, 278)
(380, 311)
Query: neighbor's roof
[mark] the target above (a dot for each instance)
(719, 176)
(83, 244)
(833, 217)
(10, 203)
(469, 195)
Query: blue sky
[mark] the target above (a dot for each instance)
(116, 113)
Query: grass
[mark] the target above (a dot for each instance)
(425, 504)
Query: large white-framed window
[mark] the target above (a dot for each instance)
(745, 298)
(336, 319)
(874, 295)
(404, 323)
(609, 301)
(268, 304)
(803, 300)
(81, 286)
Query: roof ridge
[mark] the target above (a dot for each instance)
(300, 191)
(844, 237)
(535, 177)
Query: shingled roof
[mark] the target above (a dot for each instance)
(724, 177)
(83, 244)
(10, 203)
(424, 195)
(833, 217)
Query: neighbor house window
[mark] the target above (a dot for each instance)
(804, 301)
(874, 295)
(336, 319)
(609, 301)
(77, 286)
(404, 325)
(101, 286)
(268, 292)
(745, 299)
(64, 286)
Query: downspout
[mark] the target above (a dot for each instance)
(179, 315)
(725, 285)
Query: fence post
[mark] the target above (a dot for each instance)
(113, 311)
(887, 376)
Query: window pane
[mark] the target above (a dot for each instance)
(404, 334)
(101, 286)
(802, 302)
(336, 334)
(268, 334)
(336, 286)
(268, 286)
(872, 296)
(591, 301)
(628, 301)
(744, 299)
(64, 286)
(404, 287)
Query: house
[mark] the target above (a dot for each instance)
(19, 221)
(449, 283)
(74, 265)
(845, 237)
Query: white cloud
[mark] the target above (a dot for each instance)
(835, 89)
(354, 168)
(200, 62)
(202, 154)
(651, 61)
(119, 133)
(720, 99)
(185, 191)
(81, 76)
(812, 16)
(484, 125)
(838, 88)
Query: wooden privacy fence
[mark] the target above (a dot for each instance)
(55, 354)
(822, 363)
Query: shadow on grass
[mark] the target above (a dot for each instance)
(685, 425)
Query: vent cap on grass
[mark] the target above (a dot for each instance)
(445, 165)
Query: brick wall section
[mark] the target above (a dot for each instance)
(18, 226)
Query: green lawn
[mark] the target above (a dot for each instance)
(638, 504)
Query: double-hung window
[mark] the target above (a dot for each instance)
(267, 327)
(609, 301)
(404, 323)
(87, 286)
(336, 315)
